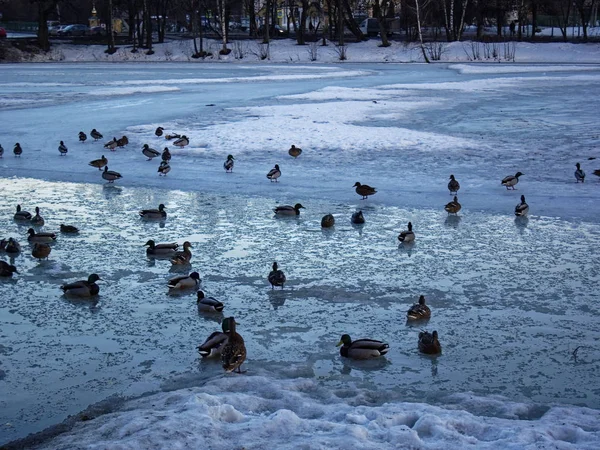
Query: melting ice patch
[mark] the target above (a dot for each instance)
(133, 90)
(258, 412)
(517, 68)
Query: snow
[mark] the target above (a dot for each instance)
(511, 299)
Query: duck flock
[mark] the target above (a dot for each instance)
(228, 344)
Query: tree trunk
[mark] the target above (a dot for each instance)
(300, 36)
(379, 11)
(43, 37)
(420, 33)
(340, 23)
(267, 24)
(446, 21)
(350, 23)
(461, 25)
(109, 30)
(533, 18)
(148, 25)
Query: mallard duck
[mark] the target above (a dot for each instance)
(407, 235)
(419, 311)
(82, 136)
(96, 135)
(213, 344)
(185, 281)
(428, 343)
(294, 151)
(111, 145)
(37, 220)
(166, 155)
(274, 173)
(579, 174)
(17, 150)
(7, 270)
(110, 175)
(164, 168)
(228, 165)
(1, 151)
(287, 210)
(159, 131)
(357, 218)
(182, 141)
(40, 250)
(22, 215)
(12, 246)
(276, 277)
(40, 237)
(159, 213)
(83, 288)
(62, 148)
(99, 163)
(362, 349)
(597, 172)
(453, 185)
(183, 257)
(123, 141)
(522, 209)
(327, 221)
(511, 180)
(208, 304)
(168, 137)
(160, 249)
(68, 228)
(150, 152)
(364, 190)
(453, 207)
(233, 353)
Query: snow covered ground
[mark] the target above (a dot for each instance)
(511, 299)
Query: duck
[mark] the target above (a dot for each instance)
(111, 145)
(294, 151)
(6, 269)
(357, 218)
(12, 247)
(274, 173)
(110, 175)
(407, 235)
(1, 151)
(287, 210)
(155, 249)
(597, 172)
(68, 228)
(453, 185)
(522, 209)
(453, 207)
(228, 165)
(159, 131)
(362, 348)
(166, 155)
(159, 213)
(82, 136)
(41, 251)
(22, 215)
(96, 134)
(364, 190)
(184, 281)
(511, 180)
(579, 174)
(276, 277)
(208, 304)
(182, 257)
(150, 152)
(182, 141)
(169, 137)
(233, 353)
(40, 237)
(37, 220)
(83, 288)
(62, 148)
(429, 343)
(17, 150)
(214, 343)
(164, 168)
(99, 163)
(122, 142)
(327, 221)
(419, 311)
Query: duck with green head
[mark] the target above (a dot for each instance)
(214, 343)
(83, 288)
(362, 348)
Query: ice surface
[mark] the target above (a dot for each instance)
(511, 300)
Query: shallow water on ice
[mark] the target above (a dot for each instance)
(511, 300)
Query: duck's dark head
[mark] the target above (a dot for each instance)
(93, 278)
(452, 177)
(31, 232)
(201, 296)
(422, 300)
(522, 199)
(37, 210)
(150, 243)
(230, 157)
(434, 335)
(297, 206)
(161, 207)
(345, 340)
(455, 199)
(357, 184)
(518, 174)
(18, 208)
(195, 276)
(275, 265)
(578, 166)
(409, 226)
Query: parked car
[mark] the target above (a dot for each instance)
(54, 29)
(97, 31)
(2, 32)
(74, 30)
(274, 31)
(369, 27)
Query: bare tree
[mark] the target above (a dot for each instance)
(380, 10)
(44, 8)
(454, 29)
(418, 13)
(585, 8)
(109, 30)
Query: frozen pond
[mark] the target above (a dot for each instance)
(511, 300)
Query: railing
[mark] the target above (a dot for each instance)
(20, 26)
